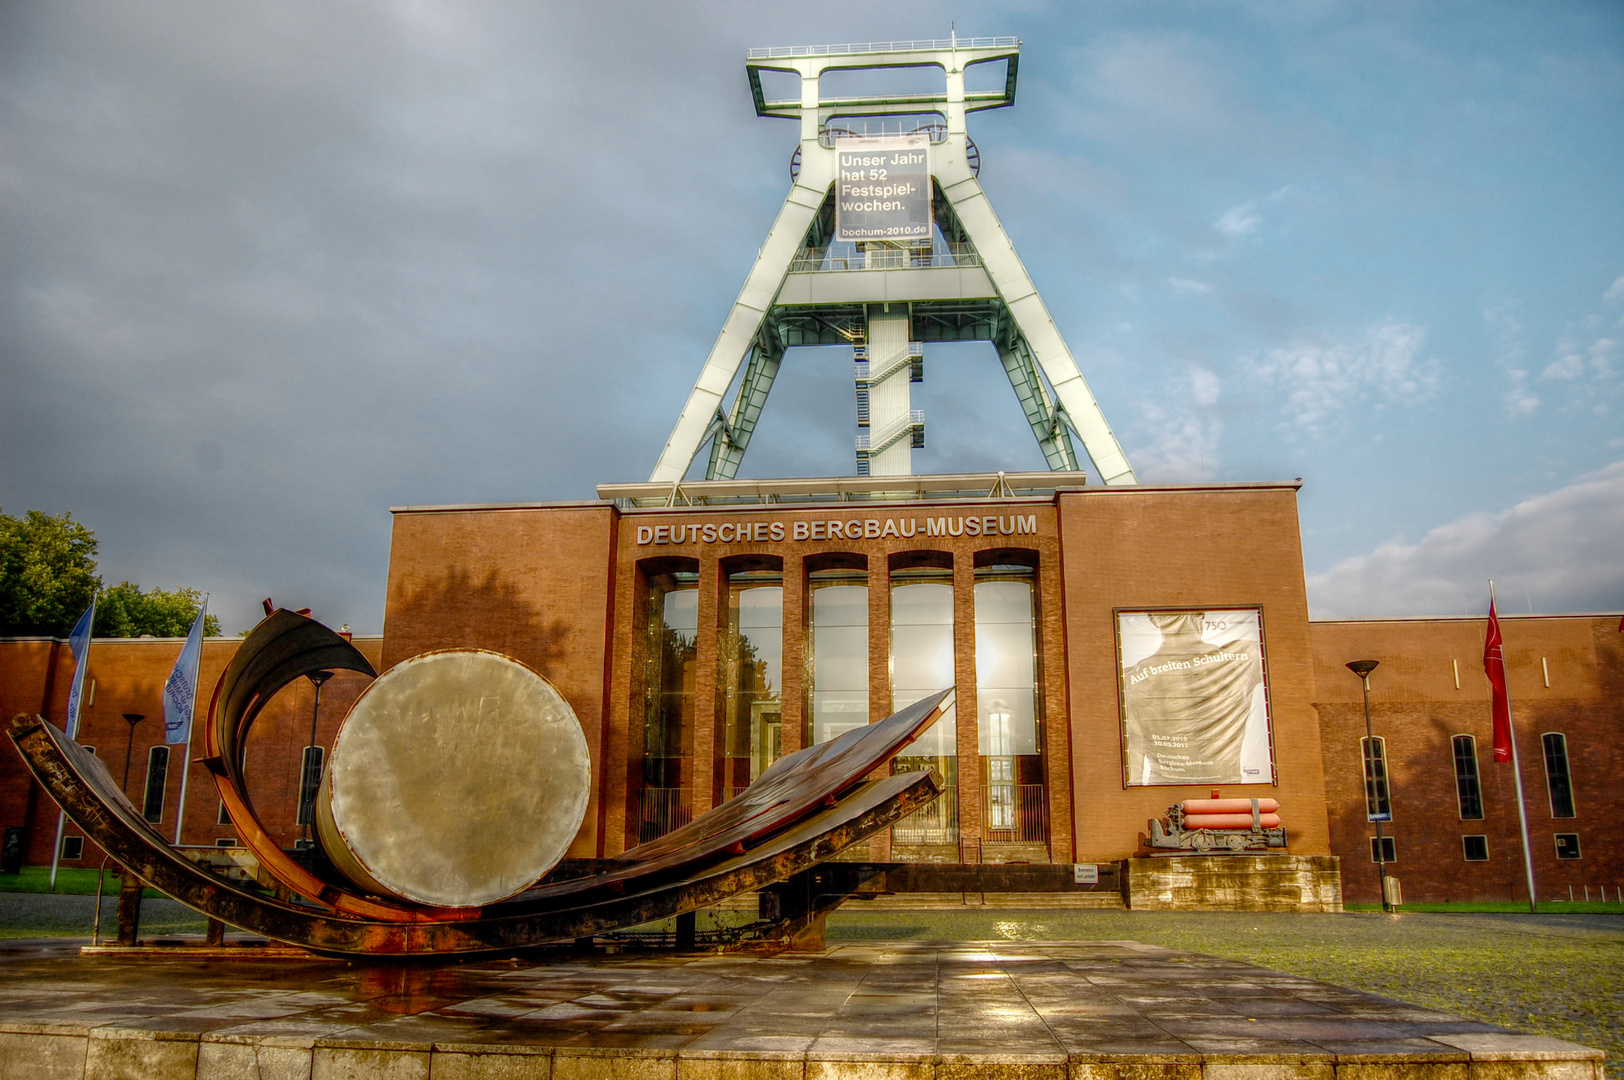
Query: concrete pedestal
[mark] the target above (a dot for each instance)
(1235, 883)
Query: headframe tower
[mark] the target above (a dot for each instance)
(953, 275)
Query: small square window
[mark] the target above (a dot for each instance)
(1476, 848)
(1388, 852)
(1567, 845)
(226, 841)
(73, 848)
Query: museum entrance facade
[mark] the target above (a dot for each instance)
(752, 639)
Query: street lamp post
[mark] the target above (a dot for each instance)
(307, 783)
(132, 719)
(1363, 668)
(129, 888)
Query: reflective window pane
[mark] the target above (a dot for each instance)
(1014, 801)
(665, 799)
(837, 651)
(752, 660)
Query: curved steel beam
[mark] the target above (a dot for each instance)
(80, 783)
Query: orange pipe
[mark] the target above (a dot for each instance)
(1228, 806)
(1229, 821)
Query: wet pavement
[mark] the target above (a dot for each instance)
(1100, 1010)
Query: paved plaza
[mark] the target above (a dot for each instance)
(1084, 1010)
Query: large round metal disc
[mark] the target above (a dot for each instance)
(458, 779)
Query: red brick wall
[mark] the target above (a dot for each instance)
(1417, 708)
(127, 676)
(1197, 548)
(532, 583)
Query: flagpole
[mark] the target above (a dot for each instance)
(56, 853)
(75, 688)
(186, 755)
(1522, 806)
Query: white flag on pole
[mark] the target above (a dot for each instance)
(180, 692)
(79, 642)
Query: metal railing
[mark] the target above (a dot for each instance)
(1014, 814)
(898, 259)
(935, 823)
(660, 810)
(899, 427)
(865, 372)
(848, 128)
(772, 52)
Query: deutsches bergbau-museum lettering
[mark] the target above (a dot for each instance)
(816, 529)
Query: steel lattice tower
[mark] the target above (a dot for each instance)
(887, 300)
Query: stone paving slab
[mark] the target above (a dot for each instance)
(1079, 1010)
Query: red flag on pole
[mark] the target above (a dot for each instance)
(1494, 665)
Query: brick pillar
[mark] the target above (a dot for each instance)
(879, 672)
(964, 674)
(707, 708)
(622, 780)
(792, 721)
(1055, 703)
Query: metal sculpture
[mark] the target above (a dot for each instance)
(804, 809)
(1219, 826)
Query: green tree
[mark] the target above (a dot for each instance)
(123, 610)
(47, 573)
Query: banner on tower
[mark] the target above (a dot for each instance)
(882, 188)
(1195, 708)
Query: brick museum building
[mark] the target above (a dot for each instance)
(702, 630)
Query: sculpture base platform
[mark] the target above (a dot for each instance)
(1102, 1010)
(1224, 882)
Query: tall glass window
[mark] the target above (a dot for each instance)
(1558, 780)
(668, 716)
(752, 660)
(152, 805)
(1011, 744)
(1378, 800)
(922, 664)
(837, 653)
(1468, 784)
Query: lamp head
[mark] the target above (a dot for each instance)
(134, 718)
(319, 677)
(1362, 668)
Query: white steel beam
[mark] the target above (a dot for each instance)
(744, 321)
(1032, 318)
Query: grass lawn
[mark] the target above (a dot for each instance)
(70, 881)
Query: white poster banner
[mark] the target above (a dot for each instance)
(882, 189)
(1194, 701)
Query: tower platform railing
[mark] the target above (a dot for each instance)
(825, 261)
(775, 52)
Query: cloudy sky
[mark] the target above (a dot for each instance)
(267, 270)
